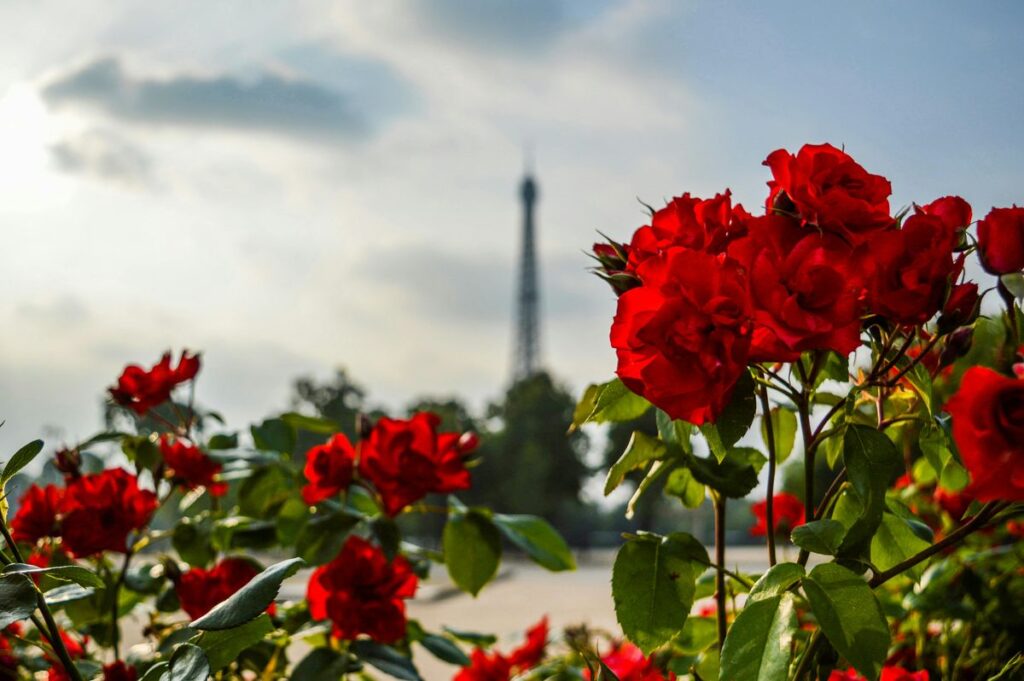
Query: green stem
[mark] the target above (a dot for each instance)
(803, 667)
(769, 513)
(720, 595)
(115, 627)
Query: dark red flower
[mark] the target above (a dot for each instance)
(888, 674)
(1001, 240)
(788, 513)
(629, 663)
(8, 658)
(328, 469)
(99, 511)
(408, 459)
(683, 338)
(141, 390)
(361, 592)
(954, 212)
(37, 514)
(698, 224)
(827, 188)
(190, 467)
(200, 590)
(119, 671)
(531, 652)
(953, 503)
(804, 287)
(988, 428)
(911, 269)
(76, 650)
(961, 308)
(484, 666)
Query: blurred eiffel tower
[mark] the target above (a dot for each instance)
(526, 351)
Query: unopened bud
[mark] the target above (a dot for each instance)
(961, 308)
(68, 462)
(958, 344)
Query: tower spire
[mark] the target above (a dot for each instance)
(527, 343)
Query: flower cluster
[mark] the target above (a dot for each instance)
(496, 666)
(707, 288)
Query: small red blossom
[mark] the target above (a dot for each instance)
(119, 671)
(1001, 240)
(76, 650)
(531, 652)
(988, 428)
(406, 459)
(200, 590)
(888, 674)
(329, 469)
(683, 338)
(628, 663)
(484, 666)
(141, 390)
(190, 467)
(495, 666)
(99, 511)
(827, 188)
(953, 503)
(361, 592)
(788, 513)
(37, 514)
(8, 658)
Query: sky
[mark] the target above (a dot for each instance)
(295, 186)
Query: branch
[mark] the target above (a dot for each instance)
(723, 626)
(769, 427)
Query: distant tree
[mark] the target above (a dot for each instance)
(339, 399)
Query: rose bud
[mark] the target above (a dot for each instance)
(612, 258)
(68, 461)
(961, 308)
(958, 344)
(1001, 240)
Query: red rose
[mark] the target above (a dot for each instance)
(141, 390)
(961, 308)
(888, 674)
(119, 671)
(408, 459)
(100, 510)
(954, 212)
(911, 269)
(630, 664)
(698, 224)
(328, 469)
(683, 338)
(76, 650)
(200, 590)
(827, 188)
(37, 514)
(190, 467)
(484, 666)
(788, 513)
(988, 428)
(8, 658)
(495, 666)
(362, 592)
(1001, 240)
(804, 289)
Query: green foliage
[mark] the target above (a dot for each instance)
(735, 475)
(386, 659)
(17, 598)
(871, 463)
(653, 585)
(641, 450)
(611, 401)
(894, 542)
(252, 599)
(759, 642)
(188, 663)
(538, 539)
(820, 536)
(734, 421)
(783, 422)
(777, 580)
(223, 646)
(849, 615)
(472, 548)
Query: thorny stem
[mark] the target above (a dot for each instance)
(720, 595)
(51, 626)
(772, 458)
(115, 629)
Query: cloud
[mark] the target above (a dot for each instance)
(270, 102)
(519, 26)
(103, 154)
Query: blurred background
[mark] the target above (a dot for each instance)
(327, 198)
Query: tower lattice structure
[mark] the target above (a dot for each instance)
(525, 361)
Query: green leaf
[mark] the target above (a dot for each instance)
(674, 431)
(274, 435)
(538, 539)
(322, 537)
(67, 573)
(894, 542)
(653, 584)
(21, 458)
(158, 672)
(223, 647)
(386, 659)
(850, 616)
(734, 476)
(783, 423)
(472, 637)
(322, 664)
(264, 491)
(188, 663)
(759, 642)
(313, 424)
(389, 537)
(820, 536)
(682, 485)
(472, 549)
(735, 419)
(223, 441)
(17, 599)
(921, 381)
(641, 450)
(653, 474)
(291, 518)
(192, 542)
(698, 633)
(252, 599)
(934, 444)
(776, 581)
(66, 594)
(611, 401)
(444, 650)
(871, 461)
